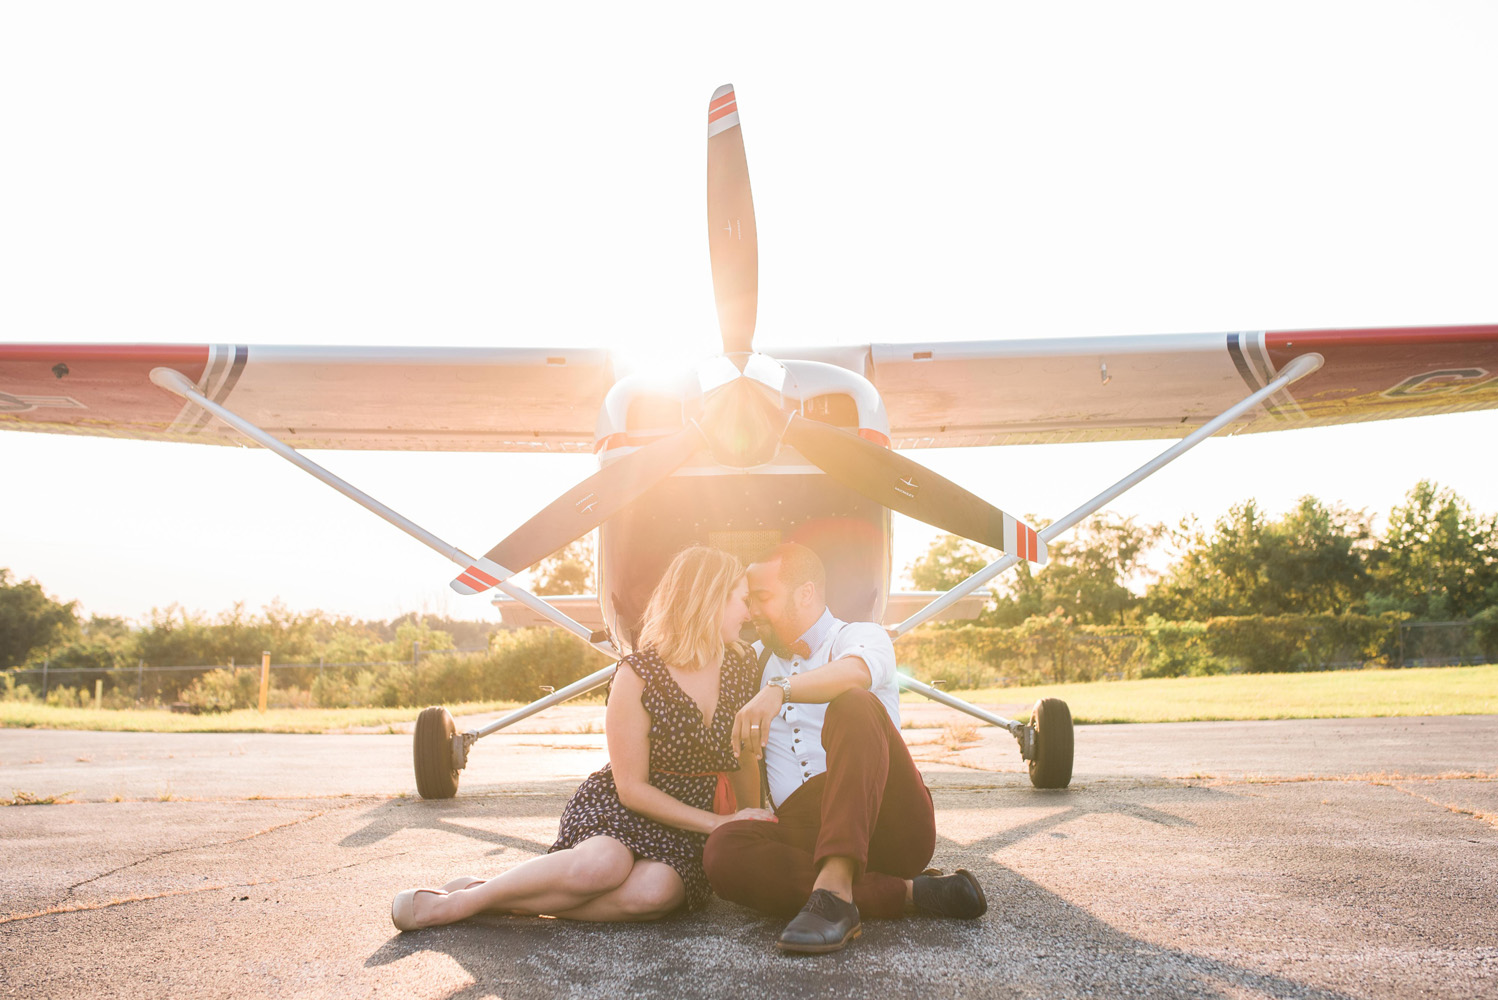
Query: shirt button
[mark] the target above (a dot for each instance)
(798, 730)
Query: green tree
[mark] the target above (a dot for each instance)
(100, 644)
(1310, 561)
(1437, 560)
(567, 571)
(31, 623)
(949, 560)
(1087, 577)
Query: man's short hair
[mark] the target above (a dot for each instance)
(798, 565)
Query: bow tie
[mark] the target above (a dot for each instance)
(800, 648)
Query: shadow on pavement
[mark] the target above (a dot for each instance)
(449, 815)
(1032, 942)
(1042, 945)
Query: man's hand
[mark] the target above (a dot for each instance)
(751, 727)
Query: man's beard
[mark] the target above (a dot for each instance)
(771, 638)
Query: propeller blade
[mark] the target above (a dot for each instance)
(900, 484)
(731, 237)
(580, 510)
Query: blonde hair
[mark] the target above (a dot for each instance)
(683, 620)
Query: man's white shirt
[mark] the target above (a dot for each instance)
(795, 751)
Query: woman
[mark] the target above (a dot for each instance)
(630, 844)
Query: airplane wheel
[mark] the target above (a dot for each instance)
(432, 749)
(1054, 744)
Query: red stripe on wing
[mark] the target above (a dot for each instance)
(1396, 336)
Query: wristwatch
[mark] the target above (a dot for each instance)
(784, 683)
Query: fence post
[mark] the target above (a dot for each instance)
(98, 693)
(140, 676)
(264, 678)
(45, 664)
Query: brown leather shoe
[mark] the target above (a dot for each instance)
(826, 923)
(957, 895)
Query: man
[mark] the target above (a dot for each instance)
(856, 825)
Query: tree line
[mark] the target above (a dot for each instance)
(1312, 587)
(1435, 560)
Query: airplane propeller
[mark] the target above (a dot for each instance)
(741, 426)
(891, 479)
(732, 239)
(581, 509)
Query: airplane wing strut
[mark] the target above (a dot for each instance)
(175, 382)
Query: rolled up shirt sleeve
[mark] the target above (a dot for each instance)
(871, 644)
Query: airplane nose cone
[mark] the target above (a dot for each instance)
(743, 423)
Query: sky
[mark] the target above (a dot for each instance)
(481, 174)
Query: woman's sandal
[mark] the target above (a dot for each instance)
(462, 882)
(403, 909)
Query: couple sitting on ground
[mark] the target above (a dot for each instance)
(851, 826)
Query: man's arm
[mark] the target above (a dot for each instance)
(819, 686)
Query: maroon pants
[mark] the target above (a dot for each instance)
(871, 805)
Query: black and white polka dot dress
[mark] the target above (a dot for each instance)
(680, 743)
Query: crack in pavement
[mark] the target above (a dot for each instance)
(146, 898)
(1488, 818)
(198, 847)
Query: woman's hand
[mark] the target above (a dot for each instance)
(765, 815)
(751, 726)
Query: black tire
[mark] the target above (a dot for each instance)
(432, 750)
(1055, 744)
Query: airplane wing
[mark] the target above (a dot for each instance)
(994, 392)
(947, 394)
(378, 398)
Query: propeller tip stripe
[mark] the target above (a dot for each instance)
(480, 575)
(722, 111)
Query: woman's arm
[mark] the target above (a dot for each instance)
(627, 726)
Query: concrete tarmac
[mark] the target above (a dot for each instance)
(1322, 859)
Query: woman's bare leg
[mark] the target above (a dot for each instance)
(652, 890)
(547, 884)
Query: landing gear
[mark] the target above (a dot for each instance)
(436, 769)
(1054, 744)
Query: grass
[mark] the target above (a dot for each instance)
(20, 715)
(20, 798)
(1334, 694)
(1331, 695)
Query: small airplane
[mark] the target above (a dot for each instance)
(747, 448)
